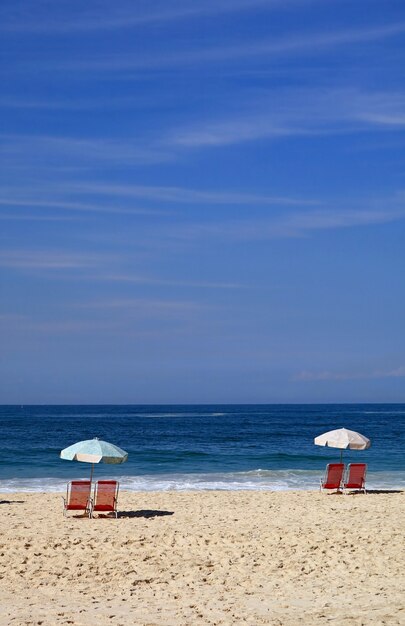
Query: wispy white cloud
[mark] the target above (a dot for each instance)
(310, 217)
(147, 307)
(382, 110)
(68, 327)
(102, 268)
(185, 195)
(288, 113)
(287, 45)
(250, 127)
(47, 260)
(49, 149)
(104, 15)
(76, 206)
(384, 119)
(98, 102)
(309, 376)
(12, 318)
(149, 321)
(299, 112)
(148, 280)
(331, 219)
(292, 225)
(16, 323)
(315, 43)
(31, 217)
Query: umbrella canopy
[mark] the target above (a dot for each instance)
(343, 439)
(94, 451)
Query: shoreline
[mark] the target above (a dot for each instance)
(208, 557)
(251, 480)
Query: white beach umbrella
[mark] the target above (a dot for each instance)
(94, 451)
(343, 439)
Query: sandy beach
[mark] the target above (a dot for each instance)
(281, 558)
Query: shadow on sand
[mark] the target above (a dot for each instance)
(370, 492)
(144, 513)
(12, 501)
(376, 491)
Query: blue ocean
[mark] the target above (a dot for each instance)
(260, 447)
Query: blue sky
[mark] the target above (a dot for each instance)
(202, 201)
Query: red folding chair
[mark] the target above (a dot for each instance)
(105, 497)
(77, 497)
(333, 476)
(356, 477)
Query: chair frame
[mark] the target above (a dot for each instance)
(93, 503)
(346, 483)
(324, 482)
(67, 506)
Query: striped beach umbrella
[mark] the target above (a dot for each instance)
(94, 451)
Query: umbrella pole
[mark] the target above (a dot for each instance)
(339, 491)
(91, 473)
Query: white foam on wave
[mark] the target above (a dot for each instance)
(383, 412)
(255, 480)
(199, 414)
(32, 485)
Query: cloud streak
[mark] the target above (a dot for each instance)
(287, 114)
(75, 206)
(301, 112)
(289, 45)
(326, 375)
(108, 16)
(160, 282)
(184, 195)
(98, 103)
(47, 260)
(49, 150)
(140, 303)
(293, 225)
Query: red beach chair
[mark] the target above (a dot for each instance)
(77, 497)
(333, 476)
(356, 477)
(105, 497)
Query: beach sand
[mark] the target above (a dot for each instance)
(173, 558)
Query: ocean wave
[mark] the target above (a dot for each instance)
(198, 414)
(254, 480)
(383, 412)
